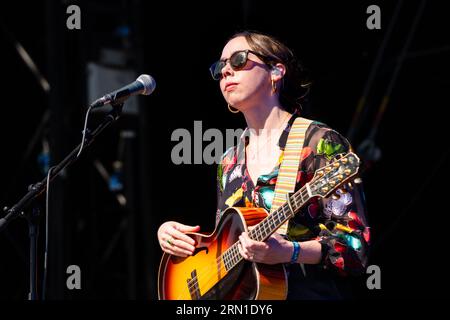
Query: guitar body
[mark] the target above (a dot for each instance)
(204, 276)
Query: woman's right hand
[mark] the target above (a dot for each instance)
(172, 238)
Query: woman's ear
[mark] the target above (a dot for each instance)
(278, 71)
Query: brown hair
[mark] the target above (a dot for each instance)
(294, 85)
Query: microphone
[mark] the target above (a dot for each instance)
(144, 84)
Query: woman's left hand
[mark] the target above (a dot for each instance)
(274, 250)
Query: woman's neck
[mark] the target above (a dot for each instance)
(263, 118)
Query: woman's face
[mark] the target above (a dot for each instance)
(249, 86)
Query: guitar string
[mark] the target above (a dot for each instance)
(206, 277)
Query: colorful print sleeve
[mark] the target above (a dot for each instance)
(338, 222)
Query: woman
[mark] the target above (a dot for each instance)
(328, 238)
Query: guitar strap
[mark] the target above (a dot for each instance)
(287, 174)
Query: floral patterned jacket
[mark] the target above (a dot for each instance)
(339, 224)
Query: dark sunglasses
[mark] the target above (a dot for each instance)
(238, 60)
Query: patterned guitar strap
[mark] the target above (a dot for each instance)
(287, 175)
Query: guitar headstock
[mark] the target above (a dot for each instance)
(330, 177)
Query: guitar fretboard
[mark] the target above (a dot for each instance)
(263, 230)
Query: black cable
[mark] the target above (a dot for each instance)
(44, 280)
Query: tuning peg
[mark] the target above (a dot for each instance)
(342, 190)
(324, 189)
(336, 164)
(357, 181)
(332, 183)
(347, 171)
(327, 169)
(344, 160)
(335, 196)
(319, 173)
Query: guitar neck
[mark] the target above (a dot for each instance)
(263, 230)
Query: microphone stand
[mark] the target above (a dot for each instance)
(34, 190)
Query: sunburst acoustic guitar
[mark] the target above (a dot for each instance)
(216, 270)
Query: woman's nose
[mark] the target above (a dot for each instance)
(226, 70)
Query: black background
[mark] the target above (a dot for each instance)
(406, 190)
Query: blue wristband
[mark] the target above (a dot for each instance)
(296, 252)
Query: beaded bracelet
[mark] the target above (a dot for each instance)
(296, 252)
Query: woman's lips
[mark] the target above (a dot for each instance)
(230, 86)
